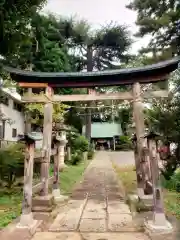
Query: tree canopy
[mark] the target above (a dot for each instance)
(15, 17)
(160, 19)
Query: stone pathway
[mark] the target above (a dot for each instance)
(96, 209)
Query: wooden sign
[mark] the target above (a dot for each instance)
(33, 85)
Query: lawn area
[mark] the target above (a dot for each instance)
(10, 203)
(127, 176)
(10, 207)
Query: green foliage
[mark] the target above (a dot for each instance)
(174, 182)
(158, 19)
(81, 143)
(107, 44)
(125, 117)
(11, 204)
(72, 119)
(36, 111)
(77, 157)
(164, 117)
(90, 154)
(11, 163)
(91, 151)
(70, 176)
(124, 144)
(14, 29)
(124, 140)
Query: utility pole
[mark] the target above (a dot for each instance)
(88, 110)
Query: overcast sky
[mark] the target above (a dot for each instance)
(98, 12)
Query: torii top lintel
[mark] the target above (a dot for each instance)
(146, 74)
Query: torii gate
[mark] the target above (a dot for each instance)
(132, 76)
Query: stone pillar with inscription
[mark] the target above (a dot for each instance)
(159, 224)
(62, 146)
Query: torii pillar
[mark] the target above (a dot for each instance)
(140, 131)
(44, 202)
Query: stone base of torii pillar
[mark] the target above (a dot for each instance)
(58, 197)
(158, 227)
(28, 222)
(43, 203)
(153, 230)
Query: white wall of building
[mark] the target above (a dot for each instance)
(16, 120)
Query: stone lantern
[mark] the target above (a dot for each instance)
(61, 130)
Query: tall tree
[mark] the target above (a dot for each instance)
(98, 50)
(15, 17)
(160, 19)
(108, 45)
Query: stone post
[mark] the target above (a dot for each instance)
(59, 145)
(69, 153)
(26, 219)
(159, 224)
(62, 146)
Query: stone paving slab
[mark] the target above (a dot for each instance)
(68, 221)
(119, 222)
(114, 236)
(115, 207)
(89, 236)
(103, 210)
(94, 214)
(57, 236)
(93, 225)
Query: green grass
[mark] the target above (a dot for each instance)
(11, 202)
(10, 207)
(127, 176)
(172, 202)
(70, 176)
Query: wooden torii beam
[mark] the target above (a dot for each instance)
(91, 97)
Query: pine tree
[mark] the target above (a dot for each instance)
(160, 20)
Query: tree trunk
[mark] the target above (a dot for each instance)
(88, 110)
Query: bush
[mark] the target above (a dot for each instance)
(76, 158)
(174, 182)
(124, 140)
(11, 163)
(90, 154)
(81, 143)
(124, 143)
(124, 147)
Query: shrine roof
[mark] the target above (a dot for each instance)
(146, 74)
